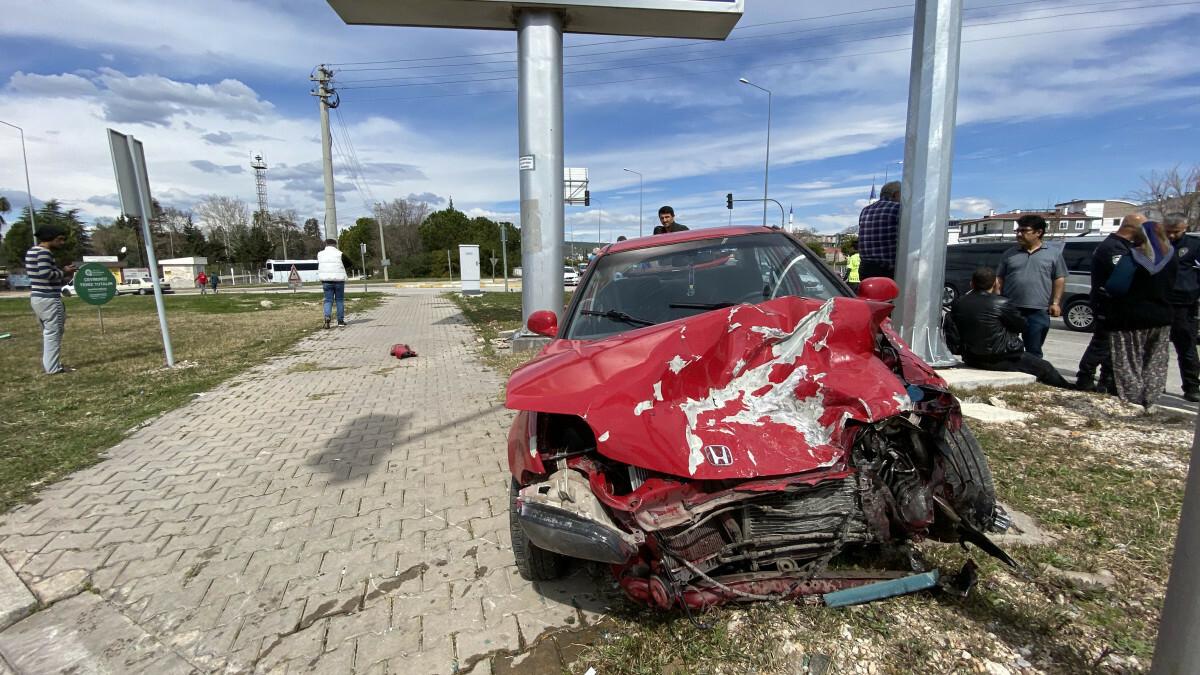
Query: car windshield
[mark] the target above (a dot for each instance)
(646, 286)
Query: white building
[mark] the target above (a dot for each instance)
(182, 272)
(1104, 215)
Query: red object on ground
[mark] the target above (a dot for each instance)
(402, 351)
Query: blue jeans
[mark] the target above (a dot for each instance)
(335, 290)
(1037, 327)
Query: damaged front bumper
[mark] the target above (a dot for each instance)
(562, 515)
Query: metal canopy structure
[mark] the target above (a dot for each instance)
(540, 25)
(696, 19)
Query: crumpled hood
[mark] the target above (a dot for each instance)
(754, 390)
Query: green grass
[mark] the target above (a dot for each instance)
(53, 425)
(490, 314)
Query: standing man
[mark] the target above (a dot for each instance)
(1183, 297)
(1133, 270)
(1032, 277)
(332, 273)
(878, 230)
(45, 294)
(666, 216)
(853, 266)
(215, 280)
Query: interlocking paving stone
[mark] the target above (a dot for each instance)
(225, 528)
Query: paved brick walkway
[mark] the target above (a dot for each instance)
(335, 510)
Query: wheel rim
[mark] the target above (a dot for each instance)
(948, 295)
(1079, 316)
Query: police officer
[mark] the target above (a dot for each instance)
(1183, 297)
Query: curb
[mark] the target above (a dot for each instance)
(16, 601)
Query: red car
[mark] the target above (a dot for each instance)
(718, 417)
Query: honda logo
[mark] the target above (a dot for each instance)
(719, 455)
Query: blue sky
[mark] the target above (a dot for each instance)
(1059, 99)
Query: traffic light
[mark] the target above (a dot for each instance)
(587, 197)
(729, 201)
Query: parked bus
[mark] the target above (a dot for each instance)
(280, 270)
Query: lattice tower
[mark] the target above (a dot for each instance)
(260, 181)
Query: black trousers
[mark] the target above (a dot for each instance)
(1183, 336)
(1097, 356)
(1022, 363)
(874, 268)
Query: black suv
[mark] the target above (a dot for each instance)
(962, 259)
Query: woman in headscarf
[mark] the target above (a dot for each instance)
(1132, 272)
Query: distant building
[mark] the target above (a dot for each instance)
(1001, 226)
(1106, 214)
(182, 272)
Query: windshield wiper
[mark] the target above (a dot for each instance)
(701, 305)
(618, 316)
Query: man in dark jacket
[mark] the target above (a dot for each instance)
(1183, 297)
(986, 329)
(666, 218)
(1133, 270)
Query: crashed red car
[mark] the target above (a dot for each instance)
(718, 417)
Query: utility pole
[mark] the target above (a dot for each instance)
(383, 260)
(327, 98)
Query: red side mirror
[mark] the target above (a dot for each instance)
(545, 322)
(881, 289)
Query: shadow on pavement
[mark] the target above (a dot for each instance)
(362, 444)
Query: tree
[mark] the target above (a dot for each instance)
(253, 246)
(19, 240)
(817, 248)
(401, 219)
(847, 243)
(226, 220)
(1173, 191)
(5, 207)
(352, 238)
(444, 230)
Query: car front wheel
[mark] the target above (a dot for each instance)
(1078, 315)
(949, 295)
(533, 563)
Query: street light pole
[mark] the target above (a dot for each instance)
(28, 190)
(767, 164)
(639, 199)
(888, 166)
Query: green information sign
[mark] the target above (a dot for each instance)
(94, 284)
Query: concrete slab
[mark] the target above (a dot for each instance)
(16, 602)
(84, 634)
(990, 414)
(965, 379)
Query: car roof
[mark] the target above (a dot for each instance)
(653, 240)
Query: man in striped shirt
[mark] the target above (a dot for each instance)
(46, 293)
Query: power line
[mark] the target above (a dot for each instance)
(609, 65)
(773, 63)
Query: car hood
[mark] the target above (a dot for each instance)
(749, 391)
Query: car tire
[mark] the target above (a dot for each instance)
(949, 295)
(968, 478)
(1078, 315)
(533, 563)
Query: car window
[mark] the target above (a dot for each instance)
(664, 283)
(1078, 256)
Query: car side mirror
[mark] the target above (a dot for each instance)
(543, 322)
(880, 289)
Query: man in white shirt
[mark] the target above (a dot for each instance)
(331, 270)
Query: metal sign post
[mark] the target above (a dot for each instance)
(504, 253)
(925, 192)
(133, 185)
(294, 280)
